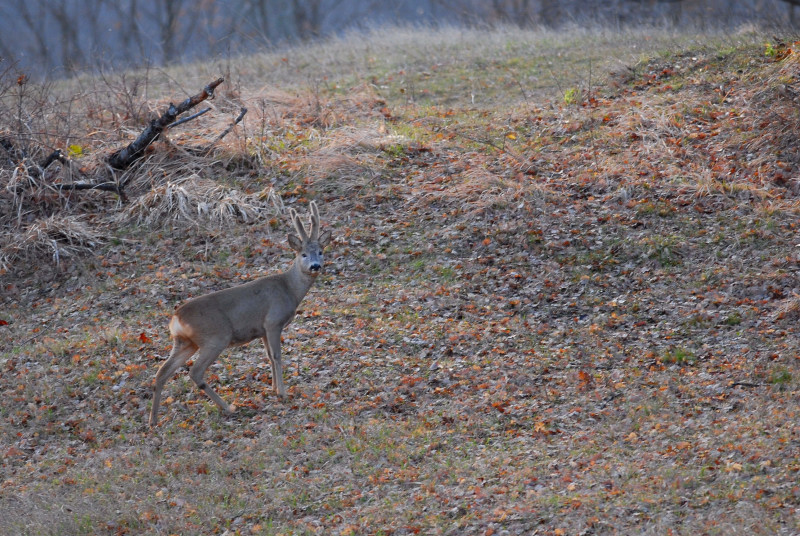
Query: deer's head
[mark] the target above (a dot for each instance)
(309, 246)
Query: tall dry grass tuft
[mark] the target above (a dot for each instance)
(476, 187)
(195, 201)
(58, 237)
(350, 152)
(771, 110)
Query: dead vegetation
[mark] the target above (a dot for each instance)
(553, 313)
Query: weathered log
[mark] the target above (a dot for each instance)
(123, 158)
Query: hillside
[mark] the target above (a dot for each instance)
(562, 296)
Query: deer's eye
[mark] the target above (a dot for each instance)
(304, 255)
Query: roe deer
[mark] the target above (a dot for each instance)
(262, 308)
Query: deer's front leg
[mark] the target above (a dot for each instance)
(272, 342)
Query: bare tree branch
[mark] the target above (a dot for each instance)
(187, 119)
(227, 130)
(123, 158)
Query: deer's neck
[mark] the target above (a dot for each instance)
(299, 283)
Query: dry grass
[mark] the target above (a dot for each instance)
(59, 237)
(195, 201)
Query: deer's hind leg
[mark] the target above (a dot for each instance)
(205, 356)
(182, 350)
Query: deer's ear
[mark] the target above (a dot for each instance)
(295, 243)
(324, 238)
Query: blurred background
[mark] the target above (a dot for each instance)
(56, 38)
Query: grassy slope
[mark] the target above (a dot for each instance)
(538, 316)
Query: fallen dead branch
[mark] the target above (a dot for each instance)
(187, 119)
(227, 130)
(123, 158)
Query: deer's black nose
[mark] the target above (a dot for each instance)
(315, 267)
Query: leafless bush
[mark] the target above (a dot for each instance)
(54, 143)
(35, 216)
